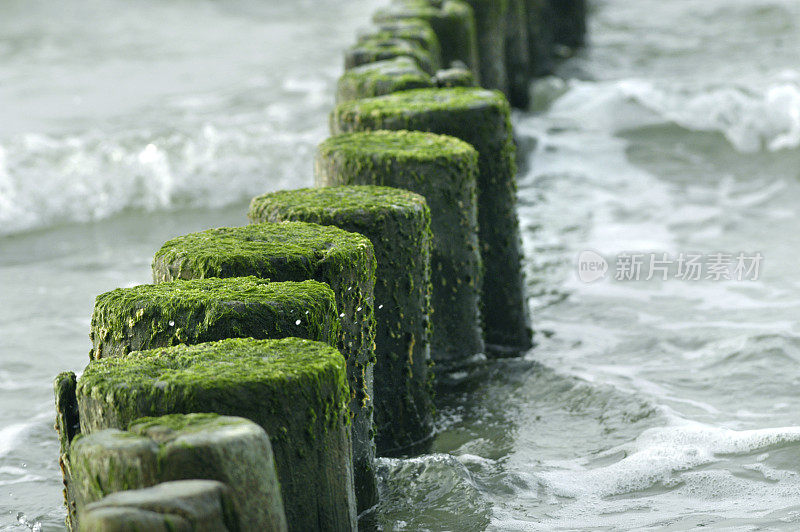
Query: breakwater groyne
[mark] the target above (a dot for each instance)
(253, 384)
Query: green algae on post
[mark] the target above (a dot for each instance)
(382, 77)
(398, 224)
(203, 310)
(454, 77)
(295, 389)
(178, 506)
(417, 31)
(445, 171)
(295, 251)
(490, 20)
(382, 48)
(231, 450)
(518, 62)
(481, 118)
(104, 463)
(452, 20)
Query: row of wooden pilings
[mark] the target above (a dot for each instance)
(252, 385)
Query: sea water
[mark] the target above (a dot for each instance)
(667, 403)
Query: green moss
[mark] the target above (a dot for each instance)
(363, 205)
(348, 115)
(401, 146)
(195, 311)
(286, 252)
(452, 20)
(481, 118)
(455, 77)
(295, 251)
(380, 48)
(108, 462)
(231, 450)
(421, 35)
(397, 222)
(416, 31)
(184, 423)
(275, 383)
(490, 19)
(444, 170)
(381, 77)
(518, 60)
(403, 24)
(165, 376)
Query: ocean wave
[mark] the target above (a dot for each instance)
(11, 436)
(438, 490)
(46, 180)
(757, 117)
(660, 456)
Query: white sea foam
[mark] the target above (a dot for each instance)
(45, 179)
(752, 118)
(11, 435)
(160, 109)
(660, 455)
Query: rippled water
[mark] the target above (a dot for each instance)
(667, 404)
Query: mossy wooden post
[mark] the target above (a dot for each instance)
(295, 389)
(518, 63)
(568, 22)
(415, 30)
(180, 506)
(481, 118)
(454, 77)
(540, 37)
(67, 422)
(380, 48)
(452, 20)
(231, 450)
(295, 251)
(119, 461)
(382, 77)
(67, 427)
(445, 171)
(203, 310)
(398, 224)
(490, 21)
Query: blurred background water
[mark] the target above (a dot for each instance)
(665, 404)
